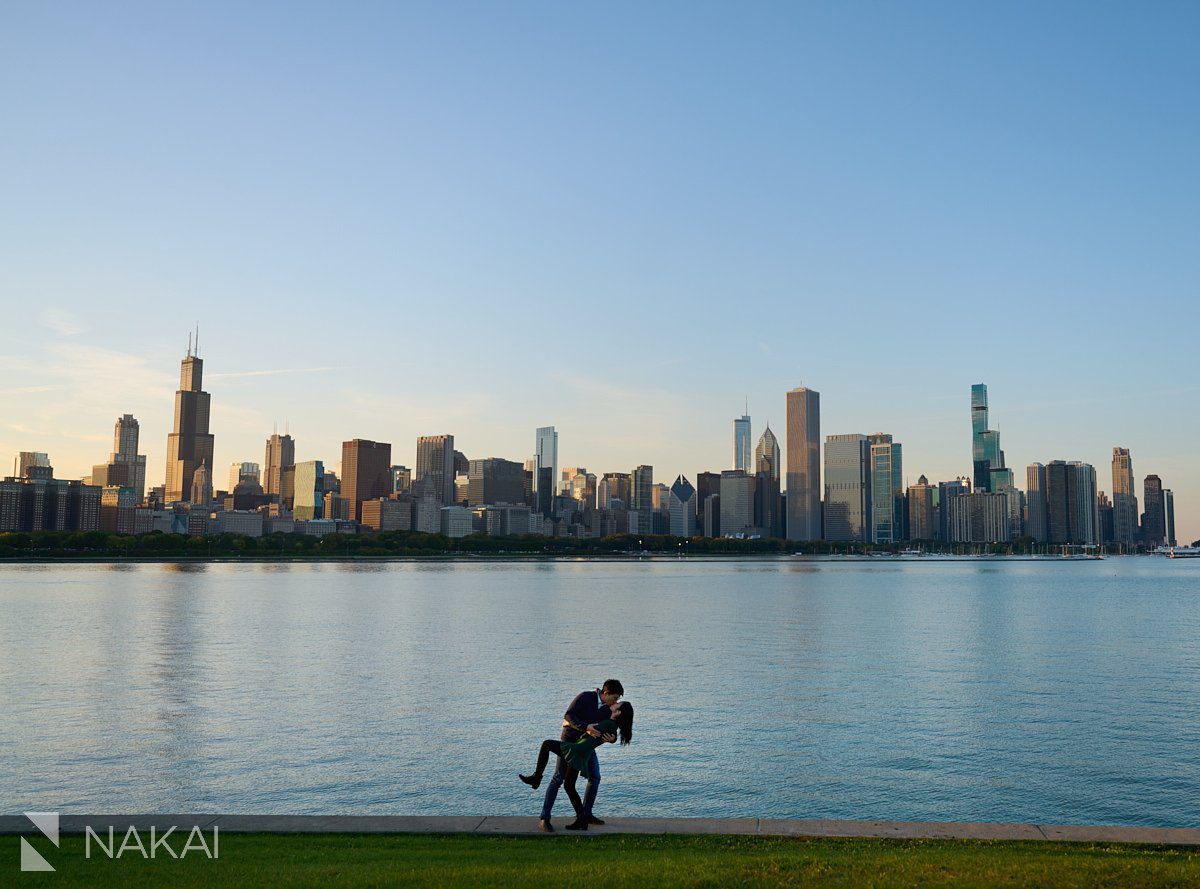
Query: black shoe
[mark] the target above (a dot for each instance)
(545, 826)
(577, 824)
(532, 780)
(592, 819)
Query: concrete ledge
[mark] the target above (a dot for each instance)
(481, 825)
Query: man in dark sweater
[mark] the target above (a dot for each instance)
(588, 708)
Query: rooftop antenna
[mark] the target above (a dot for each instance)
(189, 351)
(747, 410)
(197, 339)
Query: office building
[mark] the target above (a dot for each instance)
(118, 509)
(847, 488)
(36, 461)
(1169, 512)
(545, 457)
(737, 504)
(240, 473)
(1071, 503)
(708, 485)
(1124, 498)
(401, 479)
(495, 480)
(614, 486)
(803, 465)
(1154, 519)
(457, 521)
(387, 514)
(946, 490)
(921, 522)
(767, 456)
(39, 502)
(887, 489)
(642, 492)
(741, 444)
(1035, 503)
(1104, 519)
(280, 453)
(683, 508)
(435, 468)
(365, 473)
(190, 444)
(308, 486)
(125, 467)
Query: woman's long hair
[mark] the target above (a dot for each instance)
(624, 721)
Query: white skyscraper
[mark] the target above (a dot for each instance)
(743, 454)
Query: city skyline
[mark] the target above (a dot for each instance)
(491, 199)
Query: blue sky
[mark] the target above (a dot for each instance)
(393, 220)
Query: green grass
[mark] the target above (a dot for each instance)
(610, 862)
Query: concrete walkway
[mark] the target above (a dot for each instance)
(484, 825)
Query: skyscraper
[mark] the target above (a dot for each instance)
(985, 443)
(767, 456)
(308, 501)
(546, 457)
(1071, 504)
(1154, 519)
(615, 486)
(847, 487)
(1035, 502)
(366, 473)
(281, 453)
(240, 473)
(1169, 511)
(803, 464)
(494, 480)
(125, 468)
(741, 444)
(683, 508)
(1125, 506)
(435, 467)
(920, 511)
(190, 444)
(887, 489)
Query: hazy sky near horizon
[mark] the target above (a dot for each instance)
(623, 220)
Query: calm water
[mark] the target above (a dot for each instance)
(971, 690)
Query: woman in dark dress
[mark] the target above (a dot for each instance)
(576, 755)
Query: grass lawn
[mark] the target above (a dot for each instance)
(608, 862)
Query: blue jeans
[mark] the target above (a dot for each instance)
(589, 795)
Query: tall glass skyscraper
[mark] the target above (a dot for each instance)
(1125, 505)
(545, 456)
(887, 489)
(847, 487)
(986, 455)
(742, 453)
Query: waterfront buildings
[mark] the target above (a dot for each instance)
(202, 487)
(1169, 510)
(614, 486)
(1071, 502)
(365, 473)
(435, 468)
(887, 489)
(280, 454)
(979, 517)
(37, 501)
(642, 491)
(847, 487)
(741, 444)
(125, 467)
(803, 465)
(1124, 498)
(190, 444)
(26, 461)
(737, 504)
(985, 443)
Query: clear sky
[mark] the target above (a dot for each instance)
(620, 219)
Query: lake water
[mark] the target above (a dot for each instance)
(971, 690)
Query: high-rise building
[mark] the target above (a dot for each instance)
(741, 444)
(642, 492)
(125, 467)
(683, 508)
(980, 517)
(190, 444)
(1125, 505)
(946, 490)
(435, 467)
(887, 489)
(921, 524)
(308, 499)
(202, 486)
(1169, 512)
(1035, 503)
(494, 480)
(847, 487)
(737, 503)
(401, 479)
(614, 486)
(985, 443)
(803, 465)
(1071, 504)
(583, 489)
(365, 473)
(708, 485)
(26, 460)
(280, 453)
(1104, 519)
(767, 456)
(1154, 519)
(545, 456)
(240, 473)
